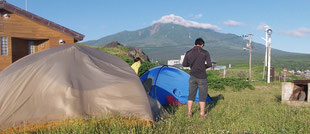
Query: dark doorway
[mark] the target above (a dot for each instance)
(23, 47)
(19, 48)
(300, 91)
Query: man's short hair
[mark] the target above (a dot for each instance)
(199, 41)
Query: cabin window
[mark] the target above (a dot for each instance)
(31, 47)
(4, 46)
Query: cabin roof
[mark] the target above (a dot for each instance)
(16, 10)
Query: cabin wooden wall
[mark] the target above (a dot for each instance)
(19, 27)
(22, 27)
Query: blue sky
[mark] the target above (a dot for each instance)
(290, 20)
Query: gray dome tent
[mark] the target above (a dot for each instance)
(70, 81)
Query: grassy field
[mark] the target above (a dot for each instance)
(245, 111)
(248, 111)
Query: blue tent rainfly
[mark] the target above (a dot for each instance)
(162, 81)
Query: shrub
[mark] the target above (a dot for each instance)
(215, 82)
(145, 66)
(213, 74)
(237, 84)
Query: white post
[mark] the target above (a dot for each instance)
(266, 43)
(269, 58)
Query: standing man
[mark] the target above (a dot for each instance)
(196, 59)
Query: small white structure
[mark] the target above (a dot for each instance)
(182, 58)
(173, 62)
(176, 62)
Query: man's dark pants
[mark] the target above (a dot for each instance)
(194, 84)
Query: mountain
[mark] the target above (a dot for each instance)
(168, 41)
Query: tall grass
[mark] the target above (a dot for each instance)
(246, 111)
(249, 111)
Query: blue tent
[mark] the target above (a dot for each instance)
(162, 81)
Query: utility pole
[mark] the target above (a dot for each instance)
(250, 56)
(269, 32)
(249, 47)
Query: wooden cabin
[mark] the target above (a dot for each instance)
(23, 33)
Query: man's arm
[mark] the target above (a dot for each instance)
(185, 61)
(208, 59)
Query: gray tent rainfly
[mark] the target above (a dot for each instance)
(70, 81)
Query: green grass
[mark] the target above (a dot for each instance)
(249, 111)
(121, 52)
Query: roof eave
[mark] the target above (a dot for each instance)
(11, 8)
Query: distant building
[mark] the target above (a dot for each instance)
(23, 33)
(291, 71)
(298, 72)
(173, 62)
(177, 63)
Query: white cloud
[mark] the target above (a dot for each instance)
(300, 32)
(198, 16)
(232, 23)
(262, 26)
(187, 23)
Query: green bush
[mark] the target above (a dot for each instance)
(213, 74)
(145, 66)
(215, 82)
(125, 49)
(129, 61)
(237, 84)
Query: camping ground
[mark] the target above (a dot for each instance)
(233, 111)
(249, 111)
(246, 111)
